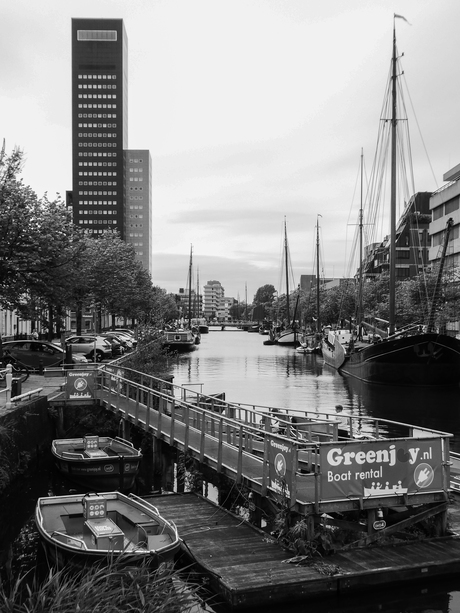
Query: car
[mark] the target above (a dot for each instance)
(90, 345)
(118, 345)
(124, 330)
(128, 341)
(126, 335)
(38, 354)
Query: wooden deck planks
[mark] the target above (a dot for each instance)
(246, 566)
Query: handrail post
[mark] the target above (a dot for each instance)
(187, 427)
(203, 436)
(173, 421)
(239, 470)
(160, 415)
(265, 467)
(219, 448)
(8, 383)
(147, 411)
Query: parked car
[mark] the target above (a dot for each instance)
(118, 345)
(126, 335)
(128, 341)
(124, 330)
(88, 344)
(35, 354)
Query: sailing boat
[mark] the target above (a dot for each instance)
(311, 343)
(290, 335)
(406, 357)
(184, 338)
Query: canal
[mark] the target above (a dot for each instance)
(249, 372)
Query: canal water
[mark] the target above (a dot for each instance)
(239, 364)
(249, 372)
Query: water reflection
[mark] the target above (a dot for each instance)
(248, 371)
(435, 409)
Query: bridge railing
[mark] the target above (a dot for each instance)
(276, 419)
(202, 426)
(233, 437)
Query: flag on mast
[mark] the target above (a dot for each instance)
(401, 17)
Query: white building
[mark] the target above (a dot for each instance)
(213, 300)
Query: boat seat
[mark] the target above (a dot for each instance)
(54, 523)
(73, 524)
(159, 540)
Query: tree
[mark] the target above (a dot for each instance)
(265, 295)
(37, 242)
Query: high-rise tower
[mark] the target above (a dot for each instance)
(99, 123)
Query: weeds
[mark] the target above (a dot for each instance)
(110, 589)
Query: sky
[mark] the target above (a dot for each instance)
(255, 113)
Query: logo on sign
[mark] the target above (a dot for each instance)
(108, 468)
(280, 464)
(380, 524)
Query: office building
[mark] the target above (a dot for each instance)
(99, 124)
(138, 223)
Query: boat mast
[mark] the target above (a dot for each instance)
(288, 309)
(246, 299)
(360, 287)
(196, 310)
(190, 290)
(392, 297)
(318, 322)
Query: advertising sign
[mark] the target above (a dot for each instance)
(377, 468)
(115, 374)
(281, 465)
(79, 385)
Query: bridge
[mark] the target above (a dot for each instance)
(310, 466)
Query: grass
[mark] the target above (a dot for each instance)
(105, 589)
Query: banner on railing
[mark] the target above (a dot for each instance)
(281, 455)
(376, 468)
(116, 373)
(79, 385)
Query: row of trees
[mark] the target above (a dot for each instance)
(414, 299)
(48, 266)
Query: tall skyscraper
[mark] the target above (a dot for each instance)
(138, 172)
(99, 123)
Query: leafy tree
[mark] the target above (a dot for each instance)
(265, 295)
(35, 237)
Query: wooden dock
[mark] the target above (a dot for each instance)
(245, 567)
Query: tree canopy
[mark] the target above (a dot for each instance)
(48, 265)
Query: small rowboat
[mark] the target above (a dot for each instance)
(99, 463)
(83, 528)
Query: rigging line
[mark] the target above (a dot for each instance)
(350, 258)
(421, 136)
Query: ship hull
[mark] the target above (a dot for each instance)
(333, 354)
(422, 360)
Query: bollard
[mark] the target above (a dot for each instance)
(9, 381)
(40, 366)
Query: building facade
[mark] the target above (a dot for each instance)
(99, 124)
(412, 243)
(138, 185)
(213, 299)
(445, 204)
